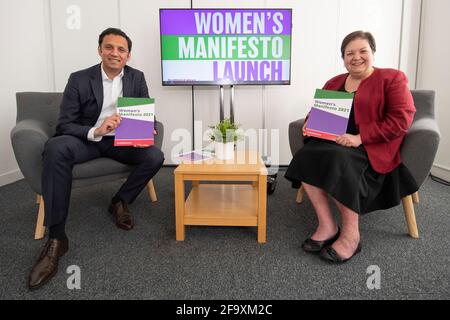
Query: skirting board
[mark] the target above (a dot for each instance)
(441, 172)
(10, 177)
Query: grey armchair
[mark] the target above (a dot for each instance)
(418, 149)
(37, 114)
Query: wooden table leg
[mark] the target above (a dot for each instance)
(179, 207)
(262, 202)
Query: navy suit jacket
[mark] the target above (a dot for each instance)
(83, 99)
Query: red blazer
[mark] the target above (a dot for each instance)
(384, 110)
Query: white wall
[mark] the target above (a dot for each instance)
(24, 68)
(74, 45)
(434, 73)
(409, 49)
(46, 45)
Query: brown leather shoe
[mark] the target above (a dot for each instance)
(47, 264)
(121, 215)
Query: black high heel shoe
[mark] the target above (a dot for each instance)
(330, 255)
(314, 246)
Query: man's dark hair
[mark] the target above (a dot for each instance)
(358, 35)
(116, 32)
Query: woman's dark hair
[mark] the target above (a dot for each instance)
(358, 35)
(116, 32)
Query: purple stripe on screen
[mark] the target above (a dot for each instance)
(182, 22)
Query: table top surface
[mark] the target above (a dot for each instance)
(244, 162)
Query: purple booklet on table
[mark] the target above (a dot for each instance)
(194, 156)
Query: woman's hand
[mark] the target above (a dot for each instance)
(349, 140)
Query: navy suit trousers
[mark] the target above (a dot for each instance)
(61, 153)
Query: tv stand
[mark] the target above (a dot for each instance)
(272, 172)
(231, 103)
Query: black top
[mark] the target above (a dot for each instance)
(351, 126)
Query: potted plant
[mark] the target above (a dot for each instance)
(225, 134)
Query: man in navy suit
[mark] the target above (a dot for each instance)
(85, 131)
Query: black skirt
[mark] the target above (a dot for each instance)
(346, 174)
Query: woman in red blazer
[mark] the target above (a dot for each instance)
(362, 170)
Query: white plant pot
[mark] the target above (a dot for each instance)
(224, 151)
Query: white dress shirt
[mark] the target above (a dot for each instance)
(112, 89)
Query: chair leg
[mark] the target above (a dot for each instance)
(415, 197)
(151, 191)
(40, 229)
(410, 216)
(300, 194)
(38, 198)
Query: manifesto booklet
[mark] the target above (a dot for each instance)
(138, 122)
(195, 156)
(328, 117)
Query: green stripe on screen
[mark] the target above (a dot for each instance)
(170, 48)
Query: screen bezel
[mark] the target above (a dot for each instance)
(225, 83)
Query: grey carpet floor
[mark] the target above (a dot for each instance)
(223, 262)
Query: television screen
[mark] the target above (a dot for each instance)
(225, 46)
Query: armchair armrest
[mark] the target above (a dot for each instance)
(28, 138)
(295, 135)
(420, 147)
(159, 127)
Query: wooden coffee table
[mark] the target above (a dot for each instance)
(222, 204)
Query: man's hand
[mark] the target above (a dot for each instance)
(145, 146)
(349, 140)
(110, 124)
